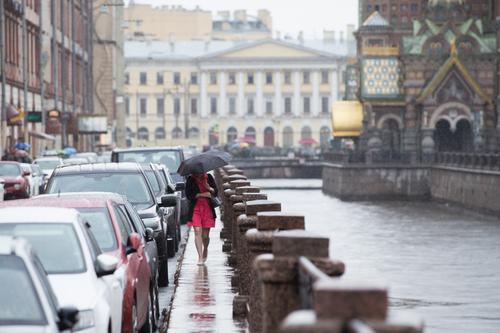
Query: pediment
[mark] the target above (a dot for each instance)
(269, 49)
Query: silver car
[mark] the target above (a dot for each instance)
(28, 302)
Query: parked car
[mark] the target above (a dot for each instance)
(16, 184)
(170, 157)
(34, 178)
(76, 160)
(42, 179)
(159, 189)
(48, 164)
(2, 183)
(78, 272)
(28, 302)
(104, 157)
(117, 234)
(127, 179)
(90, 156)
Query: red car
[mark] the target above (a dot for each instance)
(16, 185)
(117, 235)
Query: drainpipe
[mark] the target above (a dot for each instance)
(3, 110)
(25, 70)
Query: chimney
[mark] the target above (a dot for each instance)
(240, 15)
(300, 37)
(278, 35)
(341, 36)
(350, 32)
(265, 17)
(329, 36)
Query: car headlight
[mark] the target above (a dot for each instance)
(86, 319)
(152, 222)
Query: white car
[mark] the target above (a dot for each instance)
(48, 164)
(28, 302)
(2, 190)
(79, 274)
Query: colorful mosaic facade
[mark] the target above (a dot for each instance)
(381, 78)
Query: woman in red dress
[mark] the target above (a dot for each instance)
(199, 190)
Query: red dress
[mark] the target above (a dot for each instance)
(202, 213)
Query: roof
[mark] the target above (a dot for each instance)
(453, 61)
(197, 49)
(12, 245)
(97, 168)
(122, 150)
(375, 20)
(69, 200)
(38, 215)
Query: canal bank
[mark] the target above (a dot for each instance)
(441, 262)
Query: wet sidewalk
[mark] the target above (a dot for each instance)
(203, 298)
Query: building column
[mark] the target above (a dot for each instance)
(222, 94)
(315, 102)
(296, 93)
(259, 100)
(203, 95)
(334, 78)
(277, 94)
(240, 107)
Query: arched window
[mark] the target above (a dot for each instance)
(160, 133)
(232, 134)
(177, 133)
(130, 134)
(250, 135)
(324, 136)
(306, 132)
(213, 135)
(194, 133)
(268, 137)
(287, 137)
(143, 134)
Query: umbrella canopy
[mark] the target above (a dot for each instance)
(204, 162)
(69, 151)
(23, 145)
(308, 141)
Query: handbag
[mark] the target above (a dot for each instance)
(215, 202)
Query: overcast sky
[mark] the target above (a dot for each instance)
(289, 16)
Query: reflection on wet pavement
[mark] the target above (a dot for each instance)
(203, 299)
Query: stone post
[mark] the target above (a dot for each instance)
(260, 241)
(246, 222)
(278, 273)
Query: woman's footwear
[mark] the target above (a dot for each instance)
(201, 262)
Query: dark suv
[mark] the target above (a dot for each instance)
(127, 179)
(170, 157)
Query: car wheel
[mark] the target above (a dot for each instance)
(148, 327)
(163, 273)
(153, 307)
(135, 320)
(157, 300)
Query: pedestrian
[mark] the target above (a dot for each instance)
(200, 189)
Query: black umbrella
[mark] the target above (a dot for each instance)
(204, 162)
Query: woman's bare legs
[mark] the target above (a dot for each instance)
(198, 241)
(206, 240)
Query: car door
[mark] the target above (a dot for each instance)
(138, 271)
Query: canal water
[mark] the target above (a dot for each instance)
(441, 263)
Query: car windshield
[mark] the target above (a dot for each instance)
(48, 164)
(9, 170)
(131, 185)
(152, 180)
(170, 158)
(101, 227)
(20, 304)
(56, 244)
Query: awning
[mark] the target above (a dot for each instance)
(43, 136)
(347, 119)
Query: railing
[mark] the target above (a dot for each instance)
(283, 274)
(469, 160)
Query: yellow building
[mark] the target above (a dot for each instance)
(277, 93)
(178, 23)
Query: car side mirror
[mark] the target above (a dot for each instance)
(168, 200)
(105, 265)
(68, 317)
(133, 243)
(180, 186)
(149, 235)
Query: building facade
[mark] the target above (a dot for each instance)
(178, 23)
(274, 93)
(46, 61)
(432, 90)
